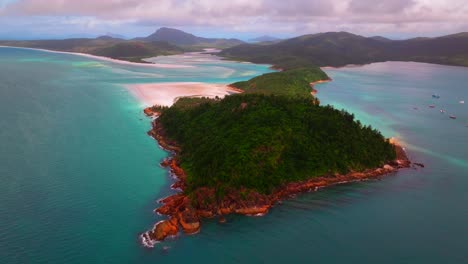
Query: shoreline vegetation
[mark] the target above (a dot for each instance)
(245, 153)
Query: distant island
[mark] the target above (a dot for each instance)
(245, 152)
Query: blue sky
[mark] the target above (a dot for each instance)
(40, 19)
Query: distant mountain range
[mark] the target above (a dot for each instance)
(380, 38)
(342, 48)
(322, 49)
(165, 41)
(113, 35)
(265, 38)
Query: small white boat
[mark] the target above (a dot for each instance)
(462, 102)
(442, 111)
(453, 117)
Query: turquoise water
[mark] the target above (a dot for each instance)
(80, 178)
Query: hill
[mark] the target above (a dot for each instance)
(342, 48)
(181, 38)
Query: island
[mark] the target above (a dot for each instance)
(244, 153)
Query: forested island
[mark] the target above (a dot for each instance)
(245, 152)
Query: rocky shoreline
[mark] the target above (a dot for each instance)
(312, 85)
(185, 213)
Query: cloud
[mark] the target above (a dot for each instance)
(288, 17)
(386, 7)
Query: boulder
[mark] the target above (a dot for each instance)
(189, 221)
(164, 229)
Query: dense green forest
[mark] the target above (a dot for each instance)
(262, 141)
(289, 83)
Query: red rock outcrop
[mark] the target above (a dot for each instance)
(164, 229)
(150, 112)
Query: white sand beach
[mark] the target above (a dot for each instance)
(167, 93)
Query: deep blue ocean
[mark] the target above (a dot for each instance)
(79, 177)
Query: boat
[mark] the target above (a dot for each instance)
(442, 111)
(436, 96)
(432, 106)
(462, 102)
(453, 117)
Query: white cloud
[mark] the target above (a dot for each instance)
(287, 17)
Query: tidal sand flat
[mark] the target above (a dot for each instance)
(165, 94)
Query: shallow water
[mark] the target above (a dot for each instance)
(80, 178)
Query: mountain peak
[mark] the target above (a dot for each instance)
(182, 38)
(170, 30)
(174, 36)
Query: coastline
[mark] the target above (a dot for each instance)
(312, 85)
(107, 59)
(184, 213)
